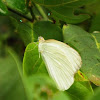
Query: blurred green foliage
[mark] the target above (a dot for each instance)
(23, 75)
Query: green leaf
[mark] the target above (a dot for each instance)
(60, 95)
(24, 29)
(96, 95)
(48, 30)
(40, 86)
(32, 63)
(5, 28)
(17, 5)
(11, 82)
(85, 44)
(95, 26)
(65, 10)
(26, 32)
(93, 8)
(66, 13)
(79, 3)
(53, 2)
(3, 9)
(81, 87)
(80, 90)
(50, 3)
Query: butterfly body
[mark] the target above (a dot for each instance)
(61, 61)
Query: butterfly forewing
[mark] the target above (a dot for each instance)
(62, 62)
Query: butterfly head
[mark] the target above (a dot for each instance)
(41, 39)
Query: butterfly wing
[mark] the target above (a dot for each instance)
(62, 62)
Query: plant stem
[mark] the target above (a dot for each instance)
(41, 12)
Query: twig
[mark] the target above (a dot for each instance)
(18, 13)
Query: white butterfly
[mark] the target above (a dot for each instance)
(62, 61)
